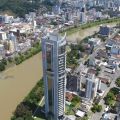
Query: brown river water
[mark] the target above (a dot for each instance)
(16, 82)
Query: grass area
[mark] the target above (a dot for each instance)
(38, 119)
(75, 104)
(68, 110)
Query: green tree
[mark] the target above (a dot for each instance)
(4, 61)
(96, 108)
(118, 82)
(2, 66)
(110, 98)
(23, 111)
(99, 108)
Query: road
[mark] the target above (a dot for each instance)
(97, 116)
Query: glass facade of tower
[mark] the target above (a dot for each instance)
(54, 65)
(49, 58)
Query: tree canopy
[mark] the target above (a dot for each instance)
(21, 7)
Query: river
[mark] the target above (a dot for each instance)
(16, 82)
(81, 34)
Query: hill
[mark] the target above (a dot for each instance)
(19, 7)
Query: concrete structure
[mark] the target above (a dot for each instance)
(99, 84)
(13, 40)
(91, 87)
(83, 18)
(3, 35)
(73, 83)
(80, 113)
(54, 74)
(95, 41)
(2, 51)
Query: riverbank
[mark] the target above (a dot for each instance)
(74, 29)
(81, 34)
(16, 83)
(20, 57)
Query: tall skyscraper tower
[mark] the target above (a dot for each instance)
(54, 75)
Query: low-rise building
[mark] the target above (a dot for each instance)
(104, 30)
(2, 51)
(3, 35)
(69, 96)
(80, 113)
(95, 41)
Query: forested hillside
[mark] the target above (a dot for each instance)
(20, 7)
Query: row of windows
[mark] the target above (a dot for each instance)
(62, 49)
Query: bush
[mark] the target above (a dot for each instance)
(115, 90)
(26, 108)
(36, 93)
(118, 82)
(109, 99)
(23, 110)
(75, 100)
(96, 108)
(2, 66)
(10, 60)
(4, 61)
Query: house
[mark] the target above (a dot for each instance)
(118, 97)
(88, 47)
(69, 96)
(113, 46)
(95, 41)
(104, 80)
(80, 113)
(102, 54)
(110, 69)
(91, 71)
(91, 62)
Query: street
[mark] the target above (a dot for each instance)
(97, 116)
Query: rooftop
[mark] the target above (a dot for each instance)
(54, 36)
(80, 113)
(69, 96)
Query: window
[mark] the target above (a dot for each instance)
(62, 49)
(49, 56)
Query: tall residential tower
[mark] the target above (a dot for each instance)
(54, 75)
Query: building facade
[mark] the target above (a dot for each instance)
(91, 87)
(54, 75)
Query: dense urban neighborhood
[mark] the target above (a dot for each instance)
(81, 71)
